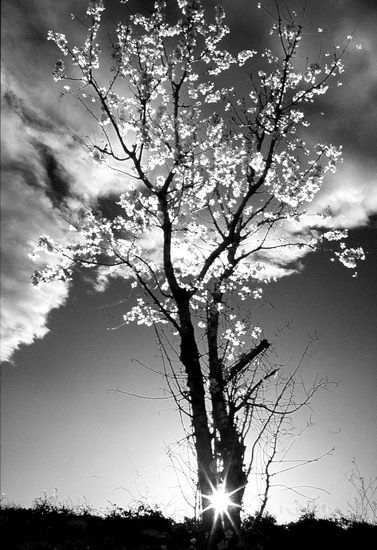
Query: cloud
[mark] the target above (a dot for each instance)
(350, 198)
(27, 212)
(44, 170)
(348, 115)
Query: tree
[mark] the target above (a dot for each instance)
(220, 184)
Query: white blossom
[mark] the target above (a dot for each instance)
(350, 256)
(231, 175)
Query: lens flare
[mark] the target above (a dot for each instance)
(220, 501)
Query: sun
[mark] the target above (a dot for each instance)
(220, 501)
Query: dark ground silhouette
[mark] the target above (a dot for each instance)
(50, 527)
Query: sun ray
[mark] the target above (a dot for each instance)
(220, 501)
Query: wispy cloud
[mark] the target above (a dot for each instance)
(43, 170)
(27, 212)
(350, 198)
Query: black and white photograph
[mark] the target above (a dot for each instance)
(188, 274)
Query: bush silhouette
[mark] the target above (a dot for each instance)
(48, 526)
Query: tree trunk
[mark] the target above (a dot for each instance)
(189, 356)
(229, 445)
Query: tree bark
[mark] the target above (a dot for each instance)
(189, 355)
(230, 445)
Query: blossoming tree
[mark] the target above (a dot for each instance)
(220, 181)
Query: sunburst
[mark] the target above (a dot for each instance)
(220, 501)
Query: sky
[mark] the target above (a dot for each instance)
(64, 430)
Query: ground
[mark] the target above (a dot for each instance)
(47, 527)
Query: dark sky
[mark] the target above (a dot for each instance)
(61, 426)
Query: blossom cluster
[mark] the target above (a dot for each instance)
(216, 179)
